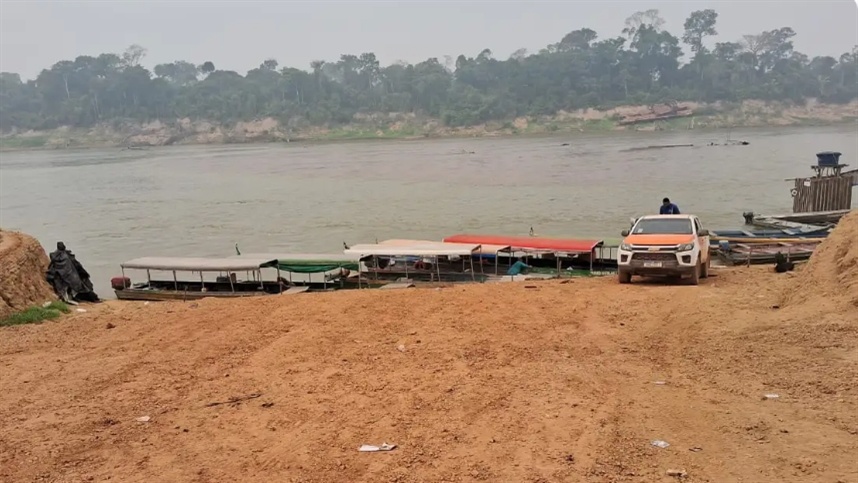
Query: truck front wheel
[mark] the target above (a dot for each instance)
(624, 277)
(695, 275)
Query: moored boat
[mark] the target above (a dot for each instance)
(771, 233)
(225, 284)
(418, 260)
(562, 253)
(763, 253)
(323, 271)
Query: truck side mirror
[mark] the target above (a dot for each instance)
(624, 233)
(703, 232)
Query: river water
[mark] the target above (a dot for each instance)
(111, 205)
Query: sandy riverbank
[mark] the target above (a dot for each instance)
(403, 126)
(486, 382)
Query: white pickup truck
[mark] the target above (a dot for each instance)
(664, 245)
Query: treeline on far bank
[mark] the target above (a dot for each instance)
(644, 65)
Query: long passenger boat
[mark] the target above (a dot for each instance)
(418, 260)
(562, 253)
(757, 254)
(192, 284)
(317, 271)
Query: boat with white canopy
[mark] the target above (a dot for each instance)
(193, 284)
(419, 260)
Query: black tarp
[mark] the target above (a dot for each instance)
(68, 277)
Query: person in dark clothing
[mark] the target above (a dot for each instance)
(783, 265)
(68, 277)
(668, 208)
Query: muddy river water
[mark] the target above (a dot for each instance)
(110, 205)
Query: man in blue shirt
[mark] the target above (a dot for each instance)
(668, 208)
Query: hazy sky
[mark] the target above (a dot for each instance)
(239, 35)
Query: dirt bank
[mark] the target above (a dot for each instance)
(23, 264)
(831, 275)
(478, 383)
(409, 125)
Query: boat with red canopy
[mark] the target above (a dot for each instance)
(558, 245)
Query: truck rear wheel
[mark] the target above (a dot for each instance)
(704, 271)
(624, 277)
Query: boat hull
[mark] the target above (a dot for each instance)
(740, 254)
(172, 295)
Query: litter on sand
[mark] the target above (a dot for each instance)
(143, 419)
(677, 473)
(659, 443)
(80, 310)
(368, 448)
(771, 396)
(659, 383)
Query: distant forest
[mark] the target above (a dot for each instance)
(643, 66)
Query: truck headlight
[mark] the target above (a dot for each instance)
(687, 247)
(625, 247)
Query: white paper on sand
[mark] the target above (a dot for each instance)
(368, 448)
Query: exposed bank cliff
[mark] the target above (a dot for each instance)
(23, 263)
(410, 125)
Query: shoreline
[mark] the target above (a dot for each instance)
(324, 140)
(409, 127)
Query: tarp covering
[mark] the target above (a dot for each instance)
(419, 248)
(485, 249)
(68, 277)
(565, 245)
(238, 264)
(307, 262)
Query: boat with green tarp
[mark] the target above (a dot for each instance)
(324, 270)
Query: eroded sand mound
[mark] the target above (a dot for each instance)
(832, 272)
(23, 263)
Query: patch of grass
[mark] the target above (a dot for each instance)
(29, 142)
(346, 134)
(598, 125)
(37, 314)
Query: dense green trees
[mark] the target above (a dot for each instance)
(644, 65)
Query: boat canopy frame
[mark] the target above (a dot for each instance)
(308, 263)
(200, 265)
(483, 249)
(416, 248)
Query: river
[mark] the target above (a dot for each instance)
(110, 205)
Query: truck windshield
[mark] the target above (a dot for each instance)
(663, 226)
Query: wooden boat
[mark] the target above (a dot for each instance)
(822, 232)
(561, 253)
(418, 260)
(756, 254)
(319, 271)
(225, 284)
(798, 223)
(813, 217)
(765, 237)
